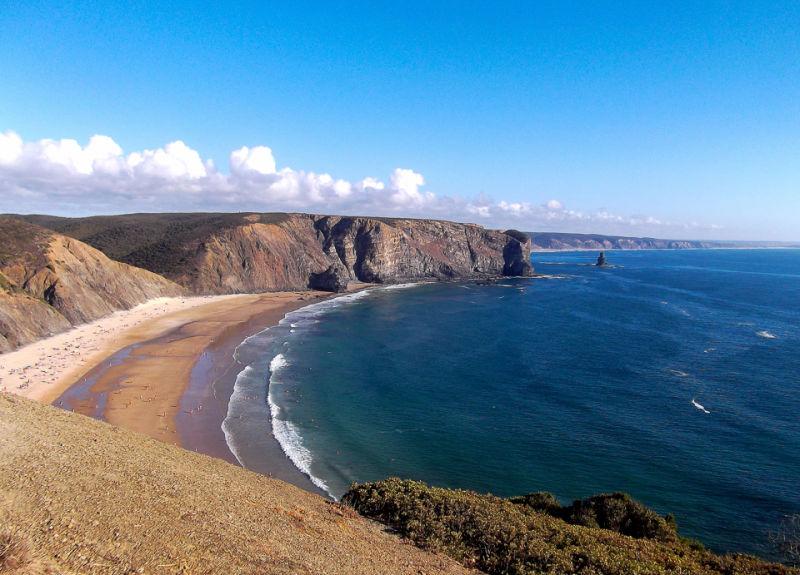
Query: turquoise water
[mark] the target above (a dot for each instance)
(674, 376)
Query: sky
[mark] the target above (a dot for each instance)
(667, 119)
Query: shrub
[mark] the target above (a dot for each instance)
(621, 513)
(542, 501)
(519, 536)
(614, 511)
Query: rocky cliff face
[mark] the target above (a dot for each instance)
(24, 319)
(231, 253)
(49, 282)
(295, 251)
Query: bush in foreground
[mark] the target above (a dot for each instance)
(615, 511)
(526, 536)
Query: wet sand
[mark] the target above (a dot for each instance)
(175, 387)
(44, 369)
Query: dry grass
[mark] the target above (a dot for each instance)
(99, 500)
(17, 556)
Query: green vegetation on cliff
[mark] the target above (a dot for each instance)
(607, 534)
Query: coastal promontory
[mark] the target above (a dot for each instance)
(58, 272)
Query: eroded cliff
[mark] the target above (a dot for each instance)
(49, 282)
(234, 253)
(50, 279)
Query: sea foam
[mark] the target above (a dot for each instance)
(241, 404)
(238, 396)
(286, 432)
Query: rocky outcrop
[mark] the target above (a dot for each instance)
(240, 253)
(333, 279)
(49, 282)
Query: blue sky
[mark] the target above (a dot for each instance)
(658, 118)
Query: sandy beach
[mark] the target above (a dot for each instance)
(139, 384)
(44, 369)
(164, 369)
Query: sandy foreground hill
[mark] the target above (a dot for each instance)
(81, 496)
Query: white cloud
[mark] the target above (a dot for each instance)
(258, 159)
(10, 148)
(406, 184)
(176, 160)
(64, 177)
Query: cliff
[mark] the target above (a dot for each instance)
(49, 282)
(57, 272)
(235, 253)
(81, 496)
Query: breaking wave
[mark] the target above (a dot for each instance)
(286, 432)
(251, 381)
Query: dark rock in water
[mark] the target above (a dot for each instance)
(334, 279)
(601, 259)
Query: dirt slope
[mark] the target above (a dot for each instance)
(85, 497)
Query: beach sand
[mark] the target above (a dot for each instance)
(175, 386)
(44, 369)
(165, 369)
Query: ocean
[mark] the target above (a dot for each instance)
(671, 375)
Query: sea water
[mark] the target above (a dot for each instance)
(671, 375)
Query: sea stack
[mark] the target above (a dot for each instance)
(601, 260)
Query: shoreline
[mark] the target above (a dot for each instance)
(44, 369)
(175, 386)
(171, 376)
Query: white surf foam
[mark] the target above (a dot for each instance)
(678, 373)
(239, 394)
(278, 363)
(700, 407)
(766, 335)
(398, 286)
(286, 432)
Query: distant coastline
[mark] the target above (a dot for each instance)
(538, 249)
(564, 241)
